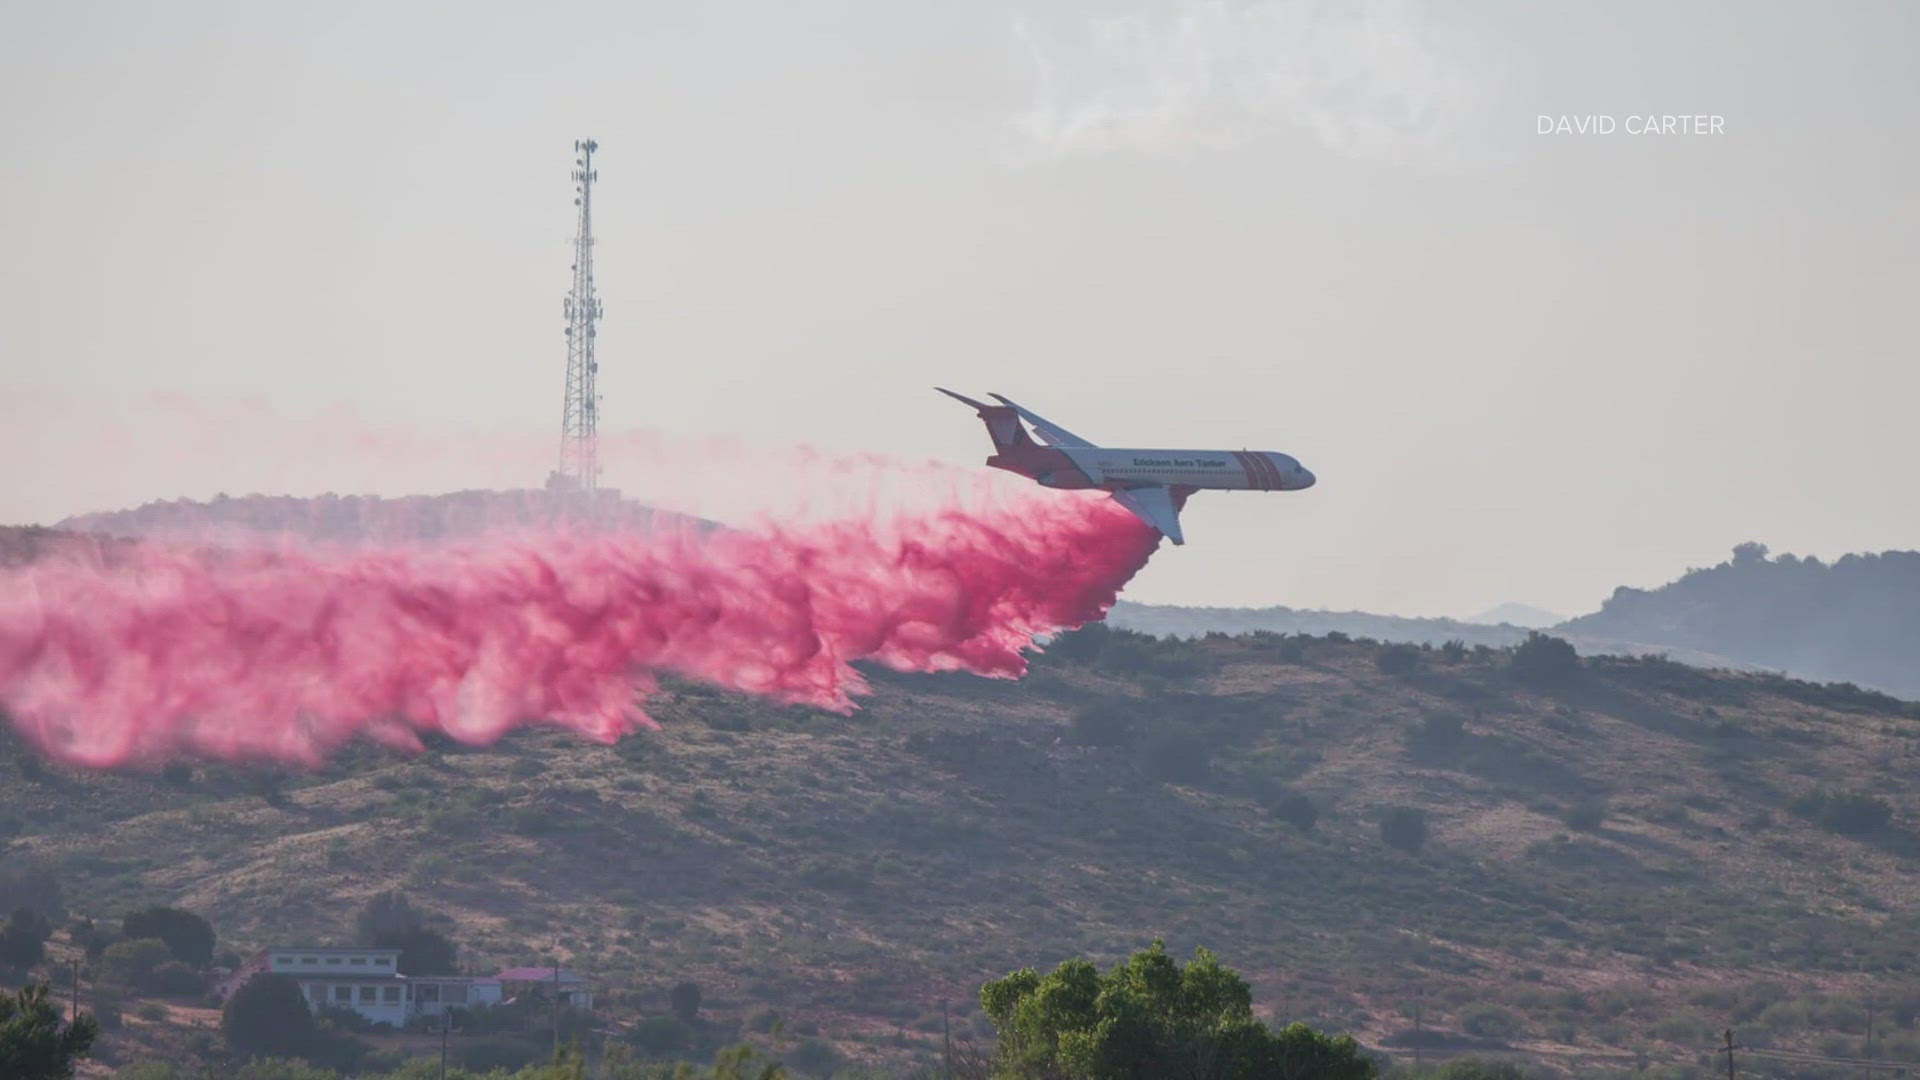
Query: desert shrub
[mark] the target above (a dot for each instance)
(1404, 827)
(1295, 809)
(23, 939)
(130, 963)
(684, 1000)
(1102, 723)
(148, 1070)
(1585, 815)
(662, 1034)
(1397, 659)
(151, 1010)
(29, 883)
(171, 978)
(1436, 732)
(1476, 1069)
(813, 1057)
(1491, 1022)
(1686, 1029)
(1544, 660)
(1175, 757)
(1846, 814)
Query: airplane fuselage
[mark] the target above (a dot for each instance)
(1152, 484)
(1117, 468)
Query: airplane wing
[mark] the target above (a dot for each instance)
(1152, 504)
(1050, 433)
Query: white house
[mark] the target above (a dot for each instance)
(368, 981)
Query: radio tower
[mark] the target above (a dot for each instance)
(579, 445)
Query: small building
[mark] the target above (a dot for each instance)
(431, 995)
(565, 986)
(368, 981)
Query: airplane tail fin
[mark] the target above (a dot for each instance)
(1003, 423)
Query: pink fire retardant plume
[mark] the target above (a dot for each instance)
(148, 652)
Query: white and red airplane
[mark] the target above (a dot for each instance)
(1154, 484)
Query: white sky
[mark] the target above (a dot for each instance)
(238, 238)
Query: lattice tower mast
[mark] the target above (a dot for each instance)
(579, 443)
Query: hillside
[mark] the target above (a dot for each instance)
(1855, 620)
(1614, 868)
(353, 519)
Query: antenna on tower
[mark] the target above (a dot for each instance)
(579, 469)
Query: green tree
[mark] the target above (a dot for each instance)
(23, 940)
(390, 921)
(186, 935)
(684, 999)
(1545, 660)
(1148, 1018)
(35, 1043)
(269, 1016)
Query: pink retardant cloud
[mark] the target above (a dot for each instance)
(134, 654)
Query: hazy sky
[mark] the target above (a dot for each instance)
(1525, 367)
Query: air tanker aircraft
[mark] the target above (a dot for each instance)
(1154, 484)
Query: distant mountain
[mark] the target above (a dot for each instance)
(1514, 614)
(1167, 620)
(1170, 620)
(352, 519)
(1856, 620)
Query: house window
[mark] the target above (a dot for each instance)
(343, 993)
(359, 961)
(426, 992)
(316, 993)
(368, 994)
(310, 961)
(390, 993)
(279, 961)
(333, 961)
(382, 961)
(456, 995)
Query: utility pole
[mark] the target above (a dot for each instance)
(556, 1007)
(579, 469)
(1729, 1053)
(946, 1039)
(75, 1015)
(446, 1022)
(1418, 1037)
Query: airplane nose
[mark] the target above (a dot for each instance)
(1306, 479)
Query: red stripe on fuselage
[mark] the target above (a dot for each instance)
(1247, 466)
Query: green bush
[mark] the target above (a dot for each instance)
(131, 963)
(1175, 757)
(1397, 659)
(1404, 827)
(1585, 815)
(1846, 814)
(187, 936)
(1491, 1022)
(661, 1035)
(1295, 809)
(1103, 723)
(1544, 660)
